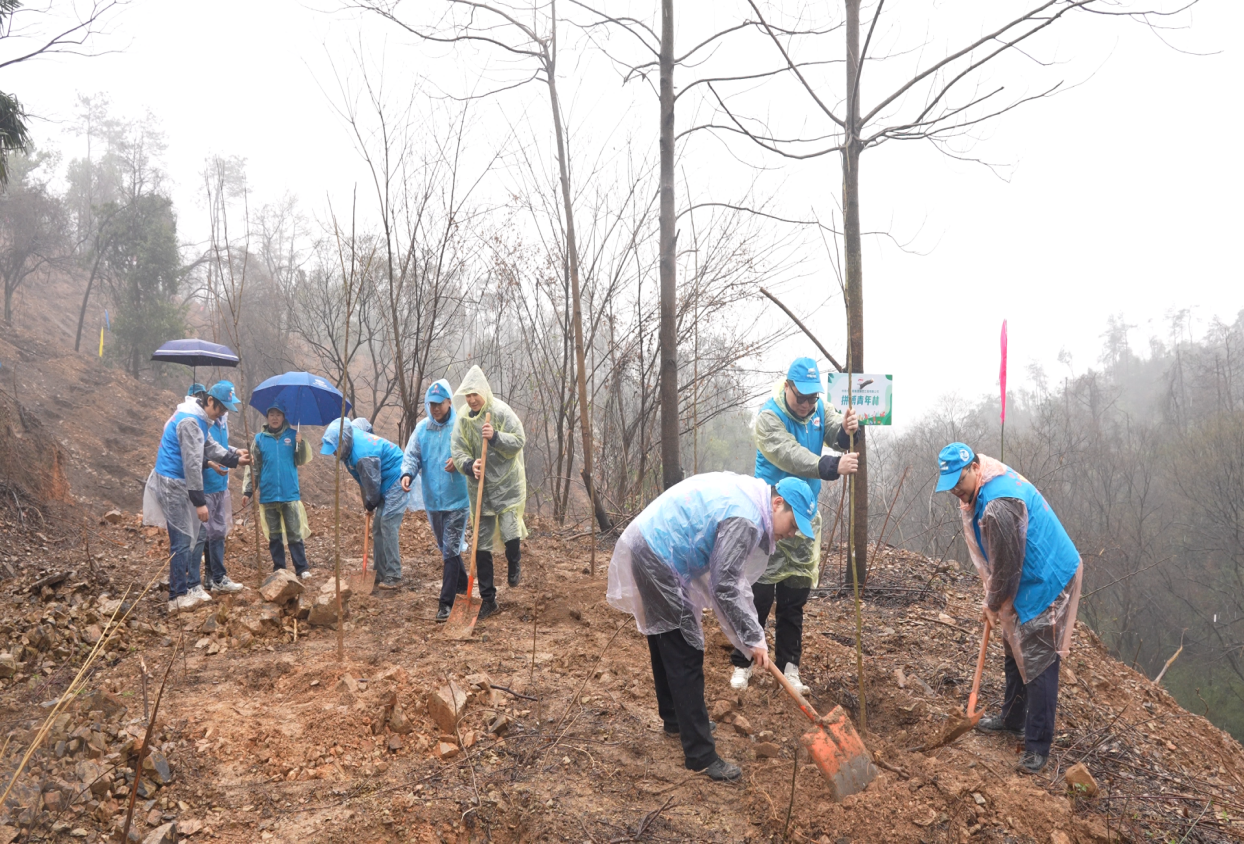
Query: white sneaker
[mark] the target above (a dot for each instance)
(306, 575)
(792, 674)
(200, 594)
(738, 681)
(227, 585)
(172, 607)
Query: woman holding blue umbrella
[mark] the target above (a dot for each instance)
(277, 451)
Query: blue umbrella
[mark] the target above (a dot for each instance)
(306, 399)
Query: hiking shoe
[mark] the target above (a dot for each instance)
(738, 680)
(200, 594)
(225, 585)
(792, 674)
(486, 609)
(995, 724)
(390, 584)
(442, 614)
(1031, 763)
(306, 575)
(723, 771)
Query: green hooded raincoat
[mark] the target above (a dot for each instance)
(505, 476)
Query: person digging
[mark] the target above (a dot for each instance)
(505, 479)
(173, 497)
(702, 544)
(791, 430)
(1031, 572)
(427, 457)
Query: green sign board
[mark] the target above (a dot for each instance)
(870, 395)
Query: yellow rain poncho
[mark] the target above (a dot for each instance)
(505, 476)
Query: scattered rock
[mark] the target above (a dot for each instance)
(210, 625)
(156, 765)
(347, 684)
(499, 725)
(722, 711)
(8, 665)
(395, 743)
(113, 517)
(445, 750)
(398, 722)
(1080, 780)
(767, 750)
(281, 587)
(189, 827)
(1059, 837)
(53, 801)
(445, 705)
(324, 610)
(329, 587)
(741, 725)
(166, 834)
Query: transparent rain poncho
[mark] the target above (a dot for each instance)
(1004, 529)
(505, 475)
(700, 545)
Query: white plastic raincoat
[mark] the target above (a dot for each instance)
(701, 544)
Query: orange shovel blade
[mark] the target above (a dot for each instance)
(465, 612)
(837, 750)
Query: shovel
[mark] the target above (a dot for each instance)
(365, 582)
(962, 722)
(465, 612)
(834, 746)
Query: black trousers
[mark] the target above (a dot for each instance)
(296, 550)
(788, 621)
(678, 673)
(513, 556)
(483, 576)
(1031, 707)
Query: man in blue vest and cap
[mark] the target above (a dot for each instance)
(376, 464)
(428, 458)
(1031, 572)
(174, 497)
(219, 507)
(791, 430)
(702, 543)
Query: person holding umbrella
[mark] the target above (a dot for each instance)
(444, 488)
(505, 479)
(278, 450)
(174, 498)
(376, 464)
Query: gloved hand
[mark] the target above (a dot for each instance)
(370, 506)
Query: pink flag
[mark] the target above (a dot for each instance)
(1002, 372)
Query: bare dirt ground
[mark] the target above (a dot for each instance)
(263, 738)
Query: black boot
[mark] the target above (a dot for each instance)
(442, 614)
(514, 557)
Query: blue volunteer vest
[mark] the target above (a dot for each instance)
(441, 490)
(213, 482)
(681, 525)
(278, 476)
(809, 433)
(168, 457)
(1050, 557)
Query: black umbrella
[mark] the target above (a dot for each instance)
(193, 353)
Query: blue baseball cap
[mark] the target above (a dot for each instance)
(436, 393)
(950, 462)
(806, 376)
(195, 390)
(802, 503)
(222, 391)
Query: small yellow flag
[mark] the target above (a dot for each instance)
(101, 341)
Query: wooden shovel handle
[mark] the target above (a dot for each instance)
(793, 692)
(366, 537)
(479, 501)
(980, 668)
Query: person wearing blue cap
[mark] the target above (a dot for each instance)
(791, 431)
(219, 506)
(174, 498)
(702, 544)
(428, 458)
(279, 451)
(376, 464)
(1031, 571)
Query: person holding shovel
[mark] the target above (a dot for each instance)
(505, 479)
(278, 452)
(1031, 571)
(702, 544)
(173, 497)
(219, 509)
(376, 464)
(791, 431)
(428, 457)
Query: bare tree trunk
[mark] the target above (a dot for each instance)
(671, 467)
(855, 273)
(90, 282)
